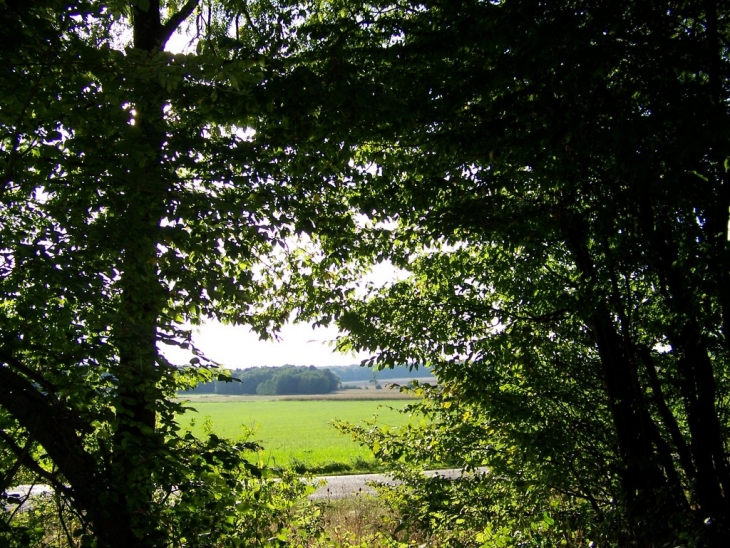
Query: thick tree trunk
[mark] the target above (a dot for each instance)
(136, 442)
(115, 495)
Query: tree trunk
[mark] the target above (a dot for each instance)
(136, 442)
(647, 495)
(698, 392)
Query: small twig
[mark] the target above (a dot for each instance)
(59, 506)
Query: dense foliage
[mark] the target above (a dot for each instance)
(135, 198)
(554, 175)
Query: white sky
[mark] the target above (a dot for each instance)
(298, 344)
(236, 347)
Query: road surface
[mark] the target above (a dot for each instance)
(333, 487)
(340, 487)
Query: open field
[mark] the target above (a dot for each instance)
(298, 432)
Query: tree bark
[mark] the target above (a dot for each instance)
(136, 441)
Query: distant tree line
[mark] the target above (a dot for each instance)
(290, 379)
(354, 373)
(267, 381)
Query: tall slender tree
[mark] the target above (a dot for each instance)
(136, 196)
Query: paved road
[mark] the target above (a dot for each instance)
(334, 487)
(340, 487)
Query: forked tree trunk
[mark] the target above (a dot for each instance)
(698, 388)
(648, 496)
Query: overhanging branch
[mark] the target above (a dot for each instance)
(45, 420)
(176, 20)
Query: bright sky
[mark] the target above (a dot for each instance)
(236, 347)
(299, 344)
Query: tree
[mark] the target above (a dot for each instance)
(555, 177)
(137, 196)
(288, 379)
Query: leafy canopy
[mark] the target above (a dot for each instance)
(143, 190)
(554, 177)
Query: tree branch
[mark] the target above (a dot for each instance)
(20, 452)
(176, 20)
(24, 459)
(44, 419)
(29, 373)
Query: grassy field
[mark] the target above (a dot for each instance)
(298, 432)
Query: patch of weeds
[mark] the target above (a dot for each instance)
(359, 521)
(358, 465)
(332, 467)
(361, 464)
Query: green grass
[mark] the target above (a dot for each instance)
(298, 433)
